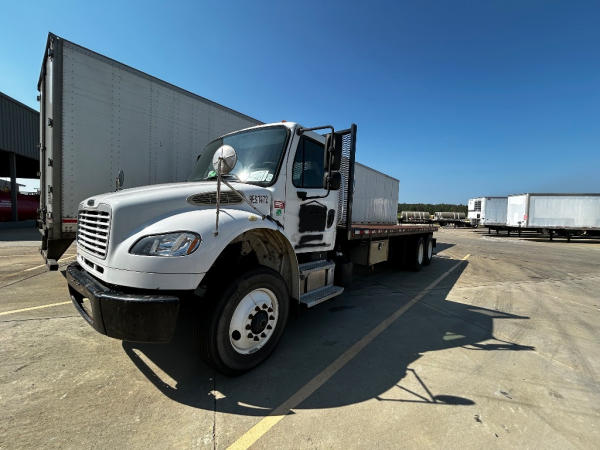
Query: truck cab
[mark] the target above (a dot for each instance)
(263, 222)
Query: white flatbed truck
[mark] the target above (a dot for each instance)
(265, 221)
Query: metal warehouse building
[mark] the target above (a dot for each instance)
(19, 137)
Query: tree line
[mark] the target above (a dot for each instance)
(432, 208)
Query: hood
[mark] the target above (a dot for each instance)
(134, 209)
(171, 191)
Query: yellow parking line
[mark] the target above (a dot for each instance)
(466, 256)
(14, 311)
(268, 422)
(44, 265)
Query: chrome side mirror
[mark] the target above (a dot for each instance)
(227, 157)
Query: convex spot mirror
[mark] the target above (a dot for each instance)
(228, 157)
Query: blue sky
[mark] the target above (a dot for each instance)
(456, 99)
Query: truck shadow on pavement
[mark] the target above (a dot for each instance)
(441, 246)
(316, 337)
(20, 233)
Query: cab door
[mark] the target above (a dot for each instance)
(311, 212)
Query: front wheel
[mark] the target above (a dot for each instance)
(247, 322)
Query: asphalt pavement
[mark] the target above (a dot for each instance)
(495, 344)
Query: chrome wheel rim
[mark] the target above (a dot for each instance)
(254, 321)
(429, 249)
(420, 253)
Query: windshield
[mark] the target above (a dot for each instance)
(258, 151)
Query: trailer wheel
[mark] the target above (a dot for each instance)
(428, 251)
(417, 256)
(247, 321)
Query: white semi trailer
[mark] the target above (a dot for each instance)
(269, 216)
(565, 215)
(106, 126)
(487, 211)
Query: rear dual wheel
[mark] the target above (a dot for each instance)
(421, 253)
(428, 250)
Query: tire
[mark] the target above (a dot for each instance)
(236, 338)
(417, 255)
(428, 256)
(343, 272)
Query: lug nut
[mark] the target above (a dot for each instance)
(270, 309)
(248, 327)
(256, 338)
(271, 317)
(250, 316)
(269, 327)
(264, 306)
(257, 309)
(250, 335)
(263, 335)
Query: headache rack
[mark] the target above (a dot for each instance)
(348, 138)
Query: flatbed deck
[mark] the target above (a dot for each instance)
(366, 231)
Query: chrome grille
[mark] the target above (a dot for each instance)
(93, 227)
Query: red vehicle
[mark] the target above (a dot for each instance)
(27, 204)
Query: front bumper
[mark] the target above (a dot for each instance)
(130, 317)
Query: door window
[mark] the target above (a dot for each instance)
(308, 170)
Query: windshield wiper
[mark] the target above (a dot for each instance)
(225, 175)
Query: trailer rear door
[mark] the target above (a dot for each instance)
(54, 240)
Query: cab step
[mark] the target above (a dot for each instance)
(314, 266)
(320, 295)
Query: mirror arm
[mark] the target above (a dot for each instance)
(218, 196)
(302, 195)
(302, 130)
(262, 216)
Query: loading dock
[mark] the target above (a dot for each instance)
(19, 137)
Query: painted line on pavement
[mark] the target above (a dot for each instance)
(275, 416)
(15, 311)
(44, 265)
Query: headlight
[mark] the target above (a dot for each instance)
(170, 244)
